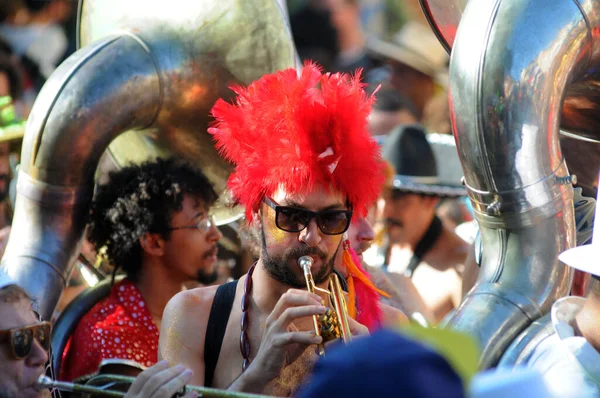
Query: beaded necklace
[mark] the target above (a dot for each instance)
(244, 340)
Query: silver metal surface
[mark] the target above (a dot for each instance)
(520, 69)
(443, 17)
(521, 349)
(306, 263)
(146, 64)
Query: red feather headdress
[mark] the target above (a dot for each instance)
(299, 132)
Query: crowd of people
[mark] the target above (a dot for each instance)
(338, 162)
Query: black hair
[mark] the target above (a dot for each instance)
(314, 36)
(141, 199)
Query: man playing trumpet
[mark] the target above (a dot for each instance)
(304, 164)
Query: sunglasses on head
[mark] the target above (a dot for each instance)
(21, 339)
(294, 219)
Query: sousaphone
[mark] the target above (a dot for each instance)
(520, 72)
(142, 85)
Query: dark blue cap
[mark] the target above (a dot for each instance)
(384, 364)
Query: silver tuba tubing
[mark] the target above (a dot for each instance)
(511, 65)
(147, 65)
(62, 147)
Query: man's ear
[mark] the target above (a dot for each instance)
(257, 216)
(153, 244)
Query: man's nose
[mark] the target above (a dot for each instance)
(365, 231)
(214, 234)
(38, 356)
(311, 235)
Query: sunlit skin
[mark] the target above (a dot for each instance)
(168, 263)
(190, 251)
(410, 214)
(18, 377)
(361, 233)
(311, 239)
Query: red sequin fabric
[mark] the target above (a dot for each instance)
(120, 326)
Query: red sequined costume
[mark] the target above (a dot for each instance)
(120, 326)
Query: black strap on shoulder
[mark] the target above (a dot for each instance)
(215, 330)
(427, 241)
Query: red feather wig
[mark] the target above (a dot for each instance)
(299, 131)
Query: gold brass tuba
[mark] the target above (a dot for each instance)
(153, 68)
(334, 323)
(520, 71)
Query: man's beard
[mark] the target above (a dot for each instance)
(277, 266)
(206, 277)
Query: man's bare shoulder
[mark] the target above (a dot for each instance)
(392, 316)
(193, 305)
(183, 326)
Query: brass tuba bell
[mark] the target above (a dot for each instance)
(334, 323)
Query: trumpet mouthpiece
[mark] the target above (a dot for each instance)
(305, 262)
(44, 382)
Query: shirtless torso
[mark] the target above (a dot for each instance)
(438, 277)
(283, 370)
(184, 330)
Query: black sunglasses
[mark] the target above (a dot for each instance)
(294, 219)
(21, 339)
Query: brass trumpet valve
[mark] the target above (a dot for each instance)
(329, 325)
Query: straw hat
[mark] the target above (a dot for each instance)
(417, 46)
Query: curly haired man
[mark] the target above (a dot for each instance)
(154, 222)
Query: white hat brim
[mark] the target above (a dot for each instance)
(584, 258)
(5, 279)
(395, 52)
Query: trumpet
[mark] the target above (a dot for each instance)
(108, 381)
(334, 323)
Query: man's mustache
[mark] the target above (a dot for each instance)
(212, 252)
(305, 251)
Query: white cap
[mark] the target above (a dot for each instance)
(514, 383)
(586, 257)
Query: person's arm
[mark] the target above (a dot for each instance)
(404, 294)
(183, 329)
(276, 339)
(392, 317)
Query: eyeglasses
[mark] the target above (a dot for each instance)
(21, 339)
(293, 219)
(203, 225)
